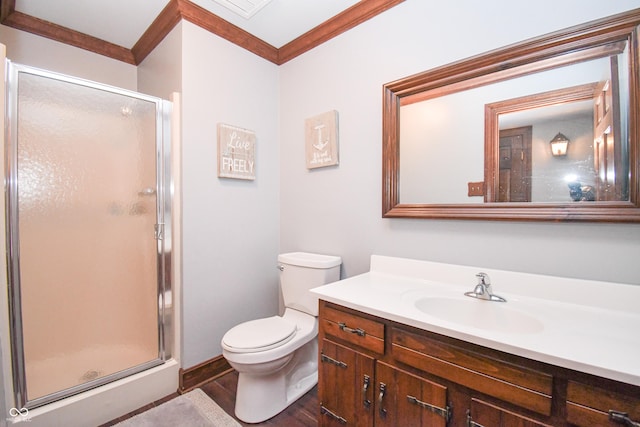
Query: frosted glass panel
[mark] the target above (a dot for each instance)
(87, 208)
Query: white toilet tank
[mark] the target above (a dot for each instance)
(301, 271)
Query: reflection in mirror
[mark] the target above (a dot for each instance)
(550, 173)
(529, 170)
(450, 131)
(596, 168)
(472, 139)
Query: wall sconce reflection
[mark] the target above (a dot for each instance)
(559, 145)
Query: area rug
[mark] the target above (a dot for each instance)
(193, 409)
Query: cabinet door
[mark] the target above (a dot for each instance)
(404, 399)
(483, 414)
(345, 386)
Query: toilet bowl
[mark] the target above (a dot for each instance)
(263, 389)
(277, 357)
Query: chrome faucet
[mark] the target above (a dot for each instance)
(483, 289)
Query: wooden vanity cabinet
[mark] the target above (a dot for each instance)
(376, 372)
(356, 388)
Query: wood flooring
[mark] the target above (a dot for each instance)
(302, 413)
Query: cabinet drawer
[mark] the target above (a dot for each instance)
(365, 333)
(589, 406)
(518, 385)
(485, 414)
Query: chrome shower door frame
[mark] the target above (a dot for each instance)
(163, 236)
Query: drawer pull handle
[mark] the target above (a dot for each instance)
(383, 390)
(622, 418)
(325, 358)
(343, 327)
(470, 422)
(443, 412)
(365, 388)
(325, 411)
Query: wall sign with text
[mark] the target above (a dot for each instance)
(236, 152)
(321, 138)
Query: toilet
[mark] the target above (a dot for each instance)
(277, 357)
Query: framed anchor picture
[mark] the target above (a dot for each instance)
(321, 139)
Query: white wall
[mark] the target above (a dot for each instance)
(338, 210)
(230, 227)
(35, 51)
(160, 74)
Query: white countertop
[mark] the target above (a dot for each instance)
(587, 326)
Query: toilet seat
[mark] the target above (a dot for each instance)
(259, 335)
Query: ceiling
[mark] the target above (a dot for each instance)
(124, 25)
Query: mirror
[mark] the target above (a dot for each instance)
(473, 139)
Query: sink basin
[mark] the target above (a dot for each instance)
(480, 314)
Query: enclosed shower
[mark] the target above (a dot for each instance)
(88, 205)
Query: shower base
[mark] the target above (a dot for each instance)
(51, 375)
(105, 403)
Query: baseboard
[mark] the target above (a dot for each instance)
(208, 370)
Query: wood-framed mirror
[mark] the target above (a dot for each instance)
(581, 84)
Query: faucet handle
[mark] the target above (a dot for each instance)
(483, 279)
(483, 289)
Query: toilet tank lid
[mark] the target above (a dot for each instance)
(304, 259)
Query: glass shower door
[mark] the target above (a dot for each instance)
(86, 234)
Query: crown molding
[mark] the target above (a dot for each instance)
(216, 25)
(348, 19)
(157, 31)
(177, 10)
(20, 21)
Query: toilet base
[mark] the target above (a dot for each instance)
(262, 396)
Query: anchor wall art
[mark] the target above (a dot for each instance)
(321, 137)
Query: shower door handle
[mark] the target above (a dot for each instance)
(158, 233)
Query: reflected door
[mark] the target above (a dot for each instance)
(84, 222)
(515, 165)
